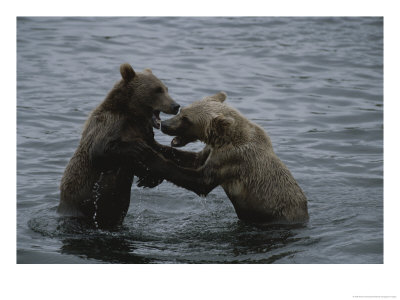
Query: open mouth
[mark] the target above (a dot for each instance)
(179, 141)
(156, 119)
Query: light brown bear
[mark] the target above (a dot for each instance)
(240, 159)
(97, 181)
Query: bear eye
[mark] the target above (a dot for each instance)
(185, 120)
(159, 90)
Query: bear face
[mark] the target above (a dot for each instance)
(147, 91)
(203, 120)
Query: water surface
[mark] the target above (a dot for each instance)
(314, 84)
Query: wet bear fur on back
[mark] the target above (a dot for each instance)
(97, 181)
(241, 160)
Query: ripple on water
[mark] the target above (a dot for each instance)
(314, 84)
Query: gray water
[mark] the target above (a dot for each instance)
(314, 84)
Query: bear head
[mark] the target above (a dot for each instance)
(207, 120)
(145, 90)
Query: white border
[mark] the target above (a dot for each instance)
(199, 281)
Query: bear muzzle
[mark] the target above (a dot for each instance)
(175, 108)
(166, 127)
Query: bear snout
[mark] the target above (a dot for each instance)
(175, 108)
(166, 127)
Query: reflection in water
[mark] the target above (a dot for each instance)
(262, 240)
(84, 240)
(112, 249)
(235, 242)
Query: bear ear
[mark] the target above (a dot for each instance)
(221, 96)
(221, 123)
(218, 97)
(127, 72)
(148, 71)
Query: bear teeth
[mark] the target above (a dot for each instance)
(156, 119)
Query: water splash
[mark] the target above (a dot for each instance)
(97, 194)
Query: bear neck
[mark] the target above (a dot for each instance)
(217, 140)
(216, 143)
(117, 99)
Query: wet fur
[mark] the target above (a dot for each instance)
(97, 181)
(241, 160)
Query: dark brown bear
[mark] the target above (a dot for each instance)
(97, 181)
